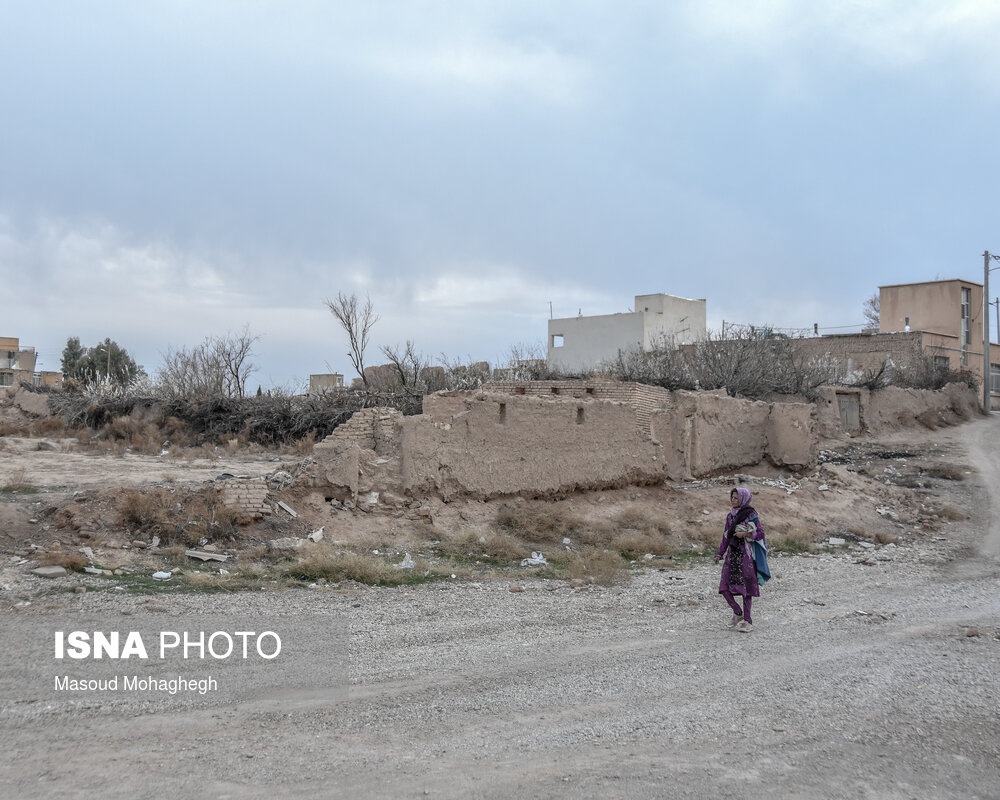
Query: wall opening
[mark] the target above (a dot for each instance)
(590, 390)
(555, 390)
(557, 340)
(579, 416)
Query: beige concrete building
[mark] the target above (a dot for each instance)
(16, 363)
(326, 382)
(949, 314)
(576, 344)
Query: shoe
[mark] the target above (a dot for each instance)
(743, 626)
(735, 620)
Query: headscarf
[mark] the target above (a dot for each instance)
(744, 495)
(742, 511)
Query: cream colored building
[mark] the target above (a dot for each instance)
(17, 364)
(576, 344)
(950, 315)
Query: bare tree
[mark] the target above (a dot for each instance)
(232, 354)
(357, 322)
(219, 366)
(870, 309)
(409, 365)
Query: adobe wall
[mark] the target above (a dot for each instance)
(704, 433)
(487, 444)
(893, 408)
(506, 444)
(859, 352)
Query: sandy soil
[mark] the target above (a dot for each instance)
(871, 672)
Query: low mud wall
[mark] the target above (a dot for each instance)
(501, 444)
(893, 408)
(488, 444)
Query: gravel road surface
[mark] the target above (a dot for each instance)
(872, 674)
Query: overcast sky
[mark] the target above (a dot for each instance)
(172, 171)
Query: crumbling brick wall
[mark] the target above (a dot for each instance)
(247, 496)
(370, 429)
(642, 398)
(861, 352)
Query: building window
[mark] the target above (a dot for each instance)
(966, 318)
(557, 340)
(994, 378)
(6, 378)
(942, 362)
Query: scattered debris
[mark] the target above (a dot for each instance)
(316, 535)
(406, 563)
(284, 507)
(836, 541)
(203, 556)
(50, 572)
(536, 560)
(162, 576)
(286, 543)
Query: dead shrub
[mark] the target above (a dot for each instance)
(344, 566)
(946, 472)
(633, 544)
(794, 540)
(17, 481)
(539, 523)
(9, 430)
(145, 510)
(641, 521)
(48, 426)
(596, 565)
(951, 513)
(60, 558)
(498, 547)
(884, 537)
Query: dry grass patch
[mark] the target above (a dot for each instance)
(17, 481)
(595, 565)
(499, 547)
(947, 472)
(349, 566)
(61, 558)
(792, 540)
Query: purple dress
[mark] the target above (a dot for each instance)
(739, 573)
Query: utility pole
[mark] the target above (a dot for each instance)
(986, 327)
(108, 344)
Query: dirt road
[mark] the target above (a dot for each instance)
(872, 674)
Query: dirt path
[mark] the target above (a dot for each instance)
(862, 681)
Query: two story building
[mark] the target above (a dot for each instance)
(577, 344)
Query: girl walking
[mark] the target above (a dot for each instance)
(739, 571)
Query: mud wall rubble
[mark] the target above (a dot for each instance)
(487, 444)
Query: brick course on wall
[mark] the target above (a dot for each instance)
(248, 496)
(865, 351)
(643, 398)
(370, 429)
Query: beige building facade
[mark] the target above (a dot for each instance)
(949, 314)
(18, 363)
(577, 344)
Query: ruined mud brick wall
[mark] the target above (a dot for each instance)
(502, 444)
(893, 408)
(370, 429)
(865, 351)
(247, 496)
(704, 433)
(643, 399)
